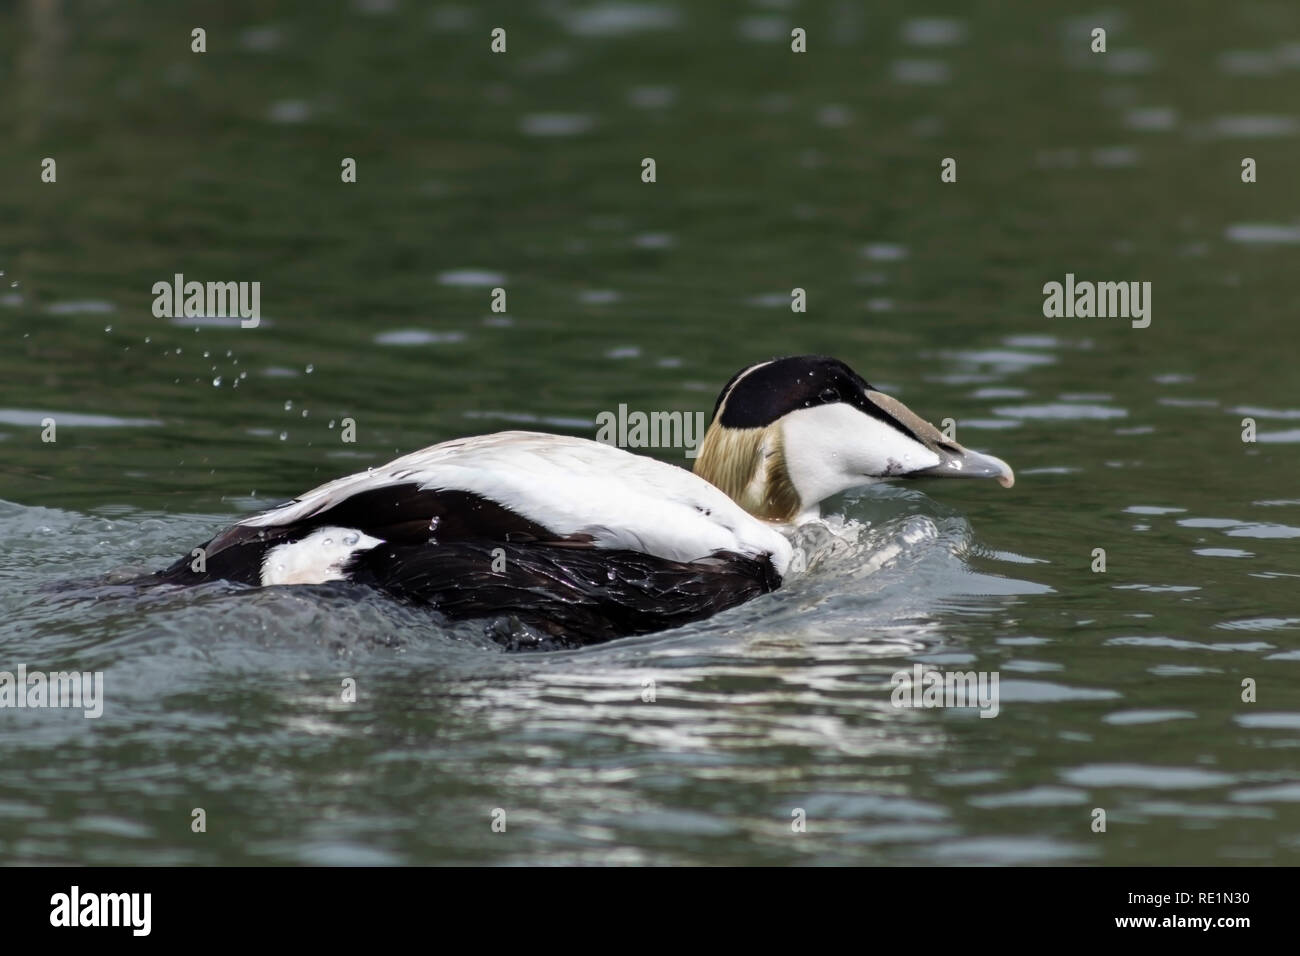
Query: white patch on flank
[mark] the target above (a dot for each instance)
(317, 558)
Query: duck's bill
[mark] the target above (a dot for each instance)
(968, 464)
(954, 460)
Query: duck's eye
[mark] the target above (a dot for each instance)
(829, 395)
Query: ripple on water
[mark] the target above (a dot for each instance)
(1114, 157)
(884, 251)
(1260, 624)
(1001, 360)
(1144, 775)
(763, 28)
(1281, 793)
(1006, 850)
(1253, 127)
(1263, 531)
(114, 826)
(525, 418)
(850, 806)
(1045, 796)
(933, 31)
(769, 300)
(1046, 692)
(1032, 667)
(24, 416)
(920, 72)
(417, 337)
(1278, 438)
(1178, 644)
(652, 97)
(1269, 721)
(288, 112)
(621, 19)
(81, 307)
(1248, 62)
(1152, 119)
(1262, 233)
(1187, 402)
(1209, 522)
(1126, 717)
(1128, 62)
(654, 240)
(556, 124)
(1061, 411)
(471, 277)
(260, 39)
(1175, 808)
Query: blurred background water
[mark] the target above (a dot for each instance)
(1119, 690)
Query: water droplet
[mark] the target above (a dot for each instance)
(216, 382)
(310, 368)
(288, 405)
(283, 436)
(331, 425)
(434, 522)
(207, 354)
(304, 413)
(108, 328)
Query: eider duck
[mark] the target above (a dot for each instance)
(581, 541)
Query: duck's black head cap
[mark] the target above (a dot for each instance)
(758, 395)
